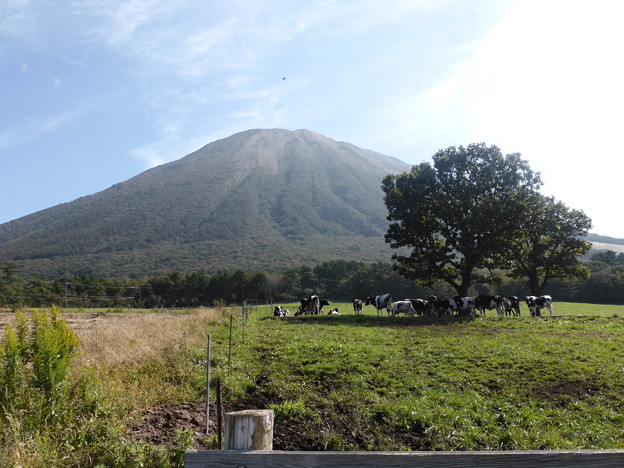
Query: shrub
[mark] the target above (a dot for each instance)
(34, 363)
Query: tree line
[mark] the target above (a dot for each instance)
(339, 280)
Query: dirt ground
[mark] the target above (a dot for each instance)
(160, 424)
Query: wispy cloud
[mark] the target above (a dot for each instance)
(16, 18)
(36, 128)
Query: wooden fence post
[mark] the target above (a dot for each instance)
(208, 384)
(249, 430)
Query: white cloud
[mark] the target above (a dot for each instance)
(16, 18)
(547, 83)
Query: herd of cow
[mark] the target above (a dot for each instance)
(437, 307)
(431, 307)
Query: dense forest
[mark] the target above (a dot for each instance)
(339, 280)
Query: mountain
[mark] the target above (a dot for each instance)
(259, 199)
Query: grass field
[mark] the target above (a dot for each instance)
(342, 382)
(347, 382)
(559, 308)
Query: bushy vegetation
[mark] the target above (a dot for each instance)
(61, 409)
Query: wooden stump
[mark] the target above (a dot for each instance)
(249, 430)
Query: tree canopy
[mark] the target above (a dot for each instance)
(551, 244)
(459, 215)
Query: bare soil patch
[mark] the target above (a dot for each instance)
(160, 424)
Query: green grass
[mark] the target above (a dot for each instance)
(599, 310)
(347, 382)
(366, 383)
(559, 308)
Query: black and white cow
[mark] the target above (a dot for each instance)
(304, 308)
(486, 301)
(334, 312)
(536, 303)
(357, 306)
(380, 302)
(433, 301)
(511, 305)
(421, 306)
(315, 305)
(463, 305)
(312, 305)
(438, 306)
(403, 307)
(279, 311)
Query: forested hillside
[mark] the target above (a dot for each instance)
(260, 199)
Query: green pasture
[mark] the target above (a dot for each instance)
(342, 382)
(559, 308)
(376, 383)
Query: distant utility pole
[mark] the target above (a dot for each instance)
(65, 299)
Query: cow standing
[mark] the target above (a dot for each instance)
(421, 306)
(380, 302)
(536, 303)
(486, 301)
(439, 307)
(463, 305)
(511, 305)
(357, 306)
(404, 307)
(315, 306)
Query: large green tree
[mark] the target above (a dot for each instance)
(458, 216)
(551, 244)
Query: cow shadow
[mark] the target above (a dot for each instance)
(372, 320)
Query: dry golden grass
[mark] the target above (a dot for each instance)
(134, 339)
(141, 358)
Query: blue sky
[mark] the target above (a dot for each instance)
(96, 91)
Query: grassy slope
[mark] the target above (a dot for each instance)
(371, 383)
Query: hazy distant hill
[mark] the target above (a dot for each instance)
(258, 199)
(601, 243)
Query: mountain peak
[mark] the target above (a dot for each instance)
(263, 198)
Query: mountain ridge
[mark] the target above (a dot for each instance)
(257, 199)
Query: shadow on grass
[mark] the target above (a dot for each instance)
(371, 321)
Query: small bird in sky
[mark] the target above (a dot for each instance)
(284, 78)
